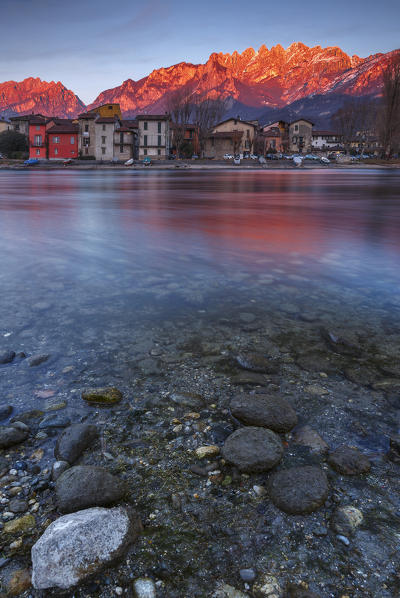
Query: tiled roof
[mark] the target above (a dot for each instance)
(299, 119)
(64, 128)
(132, 124)
(28, 117)
(245, 122)
(88, 115)
(153, 117)
(106, 120)
(124, 130)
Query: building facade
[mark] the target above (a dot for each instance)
(154, 136)
(231, 136)
(37, 137)
(62, 141)
(5, 124)
(326, 140)
(300, 136)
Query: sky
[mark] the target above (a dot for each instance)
(92, 45)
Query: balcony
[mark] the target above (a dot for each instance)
(85, 133)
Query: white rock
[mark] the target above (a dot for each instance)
(144, 587)
(267, 587)
(226, 591)
(77, 545)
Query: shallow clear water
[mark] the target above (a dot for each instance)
(93, 261)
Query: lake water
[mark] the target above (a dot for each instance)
(91, 260)
(154, 282)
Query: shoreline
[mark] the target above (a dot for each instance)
(199, 167)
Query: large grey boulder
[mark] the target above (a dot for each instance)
(85, 486)
(74, 440)
(253, 449)
(13, 434)
(76, 546)
(265, 411)
(299, 490)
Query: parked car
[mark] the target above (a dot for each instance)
(253, 157)
(324, 160)
(31, 162)
(171, 157)
(195, 157)
(272, 157)
(237, 159)
(287, 157)
(311, 157)
(279, 156)
(1, 156)
(147, 161)
(228, 157)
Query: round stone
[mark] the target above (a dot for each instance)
(265, 411)
(349, 461)
(253, 449)
(256, 362)
(298, 490)
(345, 520)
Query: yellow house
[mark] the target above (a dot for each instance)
(108, 110)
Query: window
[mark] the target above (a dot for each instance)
(86, 150)
(145, 152)
(159, 127)
(104, 127)
(110, 107)
(72, 140)
(86, 141)
(121, 148)
(17, 127)
(55, 151)
(296, 127)
(159, 152)
(121, 138)
(38, 152)
(86, 128)
(103, 150)
(145, 125)
(38, 140)
(103, 140)
(37, 127)
(159, 140)
(56, 139)
(145, 140)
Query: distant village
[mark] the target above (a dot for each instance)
(103, 134)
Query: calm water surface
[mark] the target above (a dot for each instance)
(93, 262)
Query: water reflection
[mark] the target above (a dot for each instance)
(336, 224)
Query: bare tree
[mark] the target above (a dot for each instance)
(390, 113)
(346, 122)
(207, 112)
(180, 107)
(355, 120)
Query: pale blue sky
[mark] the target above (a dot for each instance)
(94, 45)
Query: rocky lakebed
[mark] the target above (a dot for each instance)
(253, 457)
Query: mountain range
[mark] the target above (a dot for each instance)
(263, 83)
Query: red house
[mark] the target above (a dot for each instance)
(37, 137)
(62, 140)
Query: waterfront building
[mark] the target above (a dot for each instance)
(231, 136)
(326, 140)
(5, 124)
(300, 135)
(36, 133)
(62, 140)
(154, 136)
